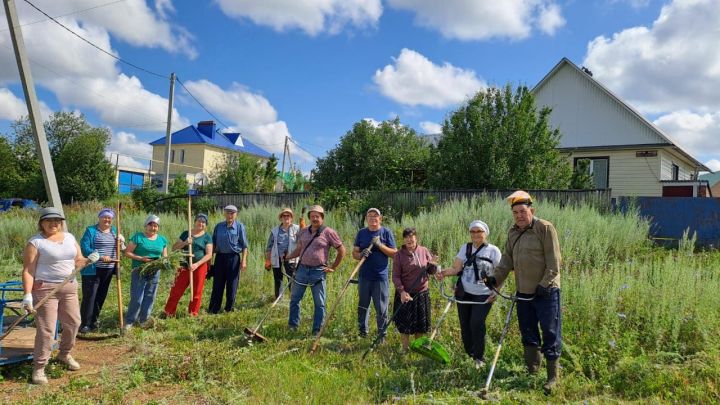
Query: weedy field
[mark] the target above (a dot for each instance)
(640, 324)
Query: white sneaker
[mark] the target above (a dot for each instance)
(68, 360)
(38, 376)
(479, 364)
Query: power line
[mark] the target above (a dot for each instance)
(95, 46)
(67, 14)
(199, 103)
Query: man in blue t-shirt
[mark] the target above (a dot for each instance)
(373, 280)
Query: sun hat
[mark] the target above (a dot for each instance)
(286, 211)
(317, 209)
(480, 224)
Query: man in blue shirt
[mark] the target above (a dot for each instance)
(229, 241)
(373, 279)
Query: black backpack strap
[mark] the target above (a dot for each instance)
(317, 233)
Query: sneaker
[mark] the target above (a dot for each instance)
(362, 334)
(68, 360)
(84, 330)
(479, 364)
(127, 327)
(38, 376)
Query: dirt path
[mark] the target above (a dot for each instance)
(92, 355)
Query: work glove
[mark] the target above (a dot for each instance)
(490, 281)
(376, 241)
(122, 242)
(542, 292)
(366, 252)
(94, 257)
(27, 302)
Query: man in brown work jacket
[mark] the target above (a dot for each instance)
(533, 252)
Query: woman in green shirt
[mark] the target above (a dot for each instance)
(144, 247)
(202, 249)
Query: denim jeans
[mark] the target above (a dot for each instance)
(316, 277)
(379, 292)
(142, 296)
(546, 312)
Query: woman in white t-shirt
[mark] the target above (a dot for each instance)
(49, 257)
(474, 260)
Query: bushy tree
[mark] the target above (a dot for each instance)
(499, 140)
(240, 173)
(77, 150)
(581, 179)
(369, 157)
(9, 176)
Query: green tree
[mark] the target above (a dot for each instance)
(581, 179)
(77, 150)
(369, 157)
(240, 173)
(179, 186)
(499, 139)
(83, 173)
(9, 176)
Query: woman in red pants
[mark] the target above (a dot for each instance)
(202, 249)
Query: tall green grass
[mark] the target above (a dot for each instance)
(639, 323)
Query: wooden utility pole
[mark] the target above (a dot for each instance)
(168, 134)
(36, 123)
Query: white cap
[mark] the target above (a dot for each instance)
(152, 218)
(480, 224)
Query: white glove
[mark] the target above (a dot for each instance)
(94, 257)
(122, 242)
(27, 302)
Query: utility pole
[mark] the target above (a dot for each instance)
(168, 133)
(282, 171)
(36, 123)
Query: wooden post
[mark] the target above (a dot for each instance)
(190, 252)
(118, 252)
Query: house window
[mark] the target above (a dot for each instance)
(172, 156)
(129, 181)
(599, 170)
(675, 172)
(182, 156)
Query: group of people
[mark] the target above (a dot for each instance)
(301, 255)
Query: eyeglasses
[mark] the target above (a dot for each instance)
(479, 231)
(285, 215)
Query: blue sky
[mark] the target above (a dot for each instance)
(310, 69)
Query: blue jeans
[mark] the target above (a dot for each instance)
(142, 296)
(316, 277)
(379, 292)
(546, 312)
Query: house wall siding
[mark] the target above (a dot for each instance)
(194, 157)
(629, 175)
(669, 158)
(587, 116)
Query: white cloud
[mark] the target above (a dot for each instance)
(637, 4)
(699, 133)
(670, 69)
(12, 107)
(372, 121)
(249, 113)
(310, 16)
(713, 164)
(415, 80)
(477, 20)
(673, 64)
(133, 152)
(237, 103)
(430, 127)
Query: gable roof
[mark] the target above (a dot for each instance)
(205, 133)
(665, 139)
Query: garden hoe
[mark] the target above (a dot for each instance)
(316, 343)
(513, 299)
(252, 334)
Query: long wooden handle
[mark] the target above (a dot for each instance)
(335, 305)
(44, 300)
(190, 256)
(440, 320)
(121, 319)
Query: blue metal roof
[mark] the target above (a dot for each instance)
(206, 133)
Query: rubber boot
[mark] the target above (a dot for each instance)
(532, 359)
(553, 370)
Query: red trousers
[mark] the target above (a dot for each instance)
(182, 282)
